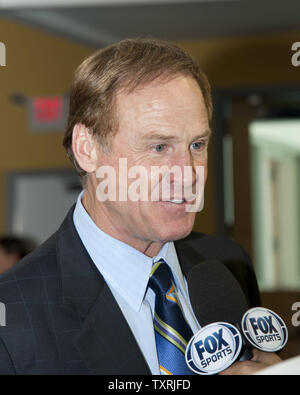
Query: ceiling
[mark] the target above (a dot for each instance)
(98, 23)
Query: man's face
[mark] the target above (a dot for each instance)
(162, 124)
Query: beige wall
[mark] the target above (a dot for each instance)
(251, 60)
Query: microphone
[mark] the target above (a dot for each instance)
(219, 305)
(215, 294)
(229, 330)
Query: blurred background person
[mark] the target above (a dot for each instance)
(12, 249)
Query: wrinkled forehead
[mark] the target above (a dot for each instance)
(177, 97)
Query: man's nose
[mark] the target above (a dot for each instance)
(186, 175)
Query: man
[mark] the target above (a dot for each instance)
(84, 302)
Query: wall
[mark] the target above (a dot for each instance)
(37, 63)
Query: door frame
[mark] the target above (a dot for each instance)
(222, 98)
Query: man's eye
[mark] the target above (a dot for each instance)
(197, 146)
(159, 147)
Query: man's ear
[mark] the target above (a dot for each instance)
(84, 147)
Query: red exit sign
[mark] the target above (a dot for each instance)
(48, 113)
(48, 109)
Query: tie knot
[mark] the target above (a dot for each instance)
(161, 278)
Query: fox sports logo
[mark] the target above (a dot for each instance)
(213, 349)
(264, 329)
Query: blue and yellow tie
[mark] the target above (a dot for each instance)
(172, 333)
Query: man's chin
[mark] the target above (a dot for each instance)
(176, 233)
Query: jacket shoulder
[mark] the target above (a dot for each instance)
(215, 247)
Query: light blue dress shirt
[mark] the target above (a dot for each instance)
(126, 271)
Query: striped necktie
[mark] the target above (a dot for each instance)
(172, 333)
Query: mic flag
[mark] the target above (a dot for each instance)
(264, 329)
(214, 348)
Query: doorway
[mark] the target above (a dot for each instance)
(257, 137)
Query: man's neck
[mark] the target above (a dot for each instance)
(100, 217)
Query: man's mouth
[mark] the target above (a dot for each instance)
(179, 200)
(176, 201)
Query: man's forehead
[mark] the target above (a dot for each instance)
(159, 87)
(180, 92)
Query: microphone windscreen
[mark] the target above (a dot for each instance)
(215, 294)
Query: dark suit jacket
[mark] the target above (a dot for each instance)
(61, 317)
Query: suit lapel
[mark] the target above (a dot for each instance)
(106, 342)
(104, 339)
